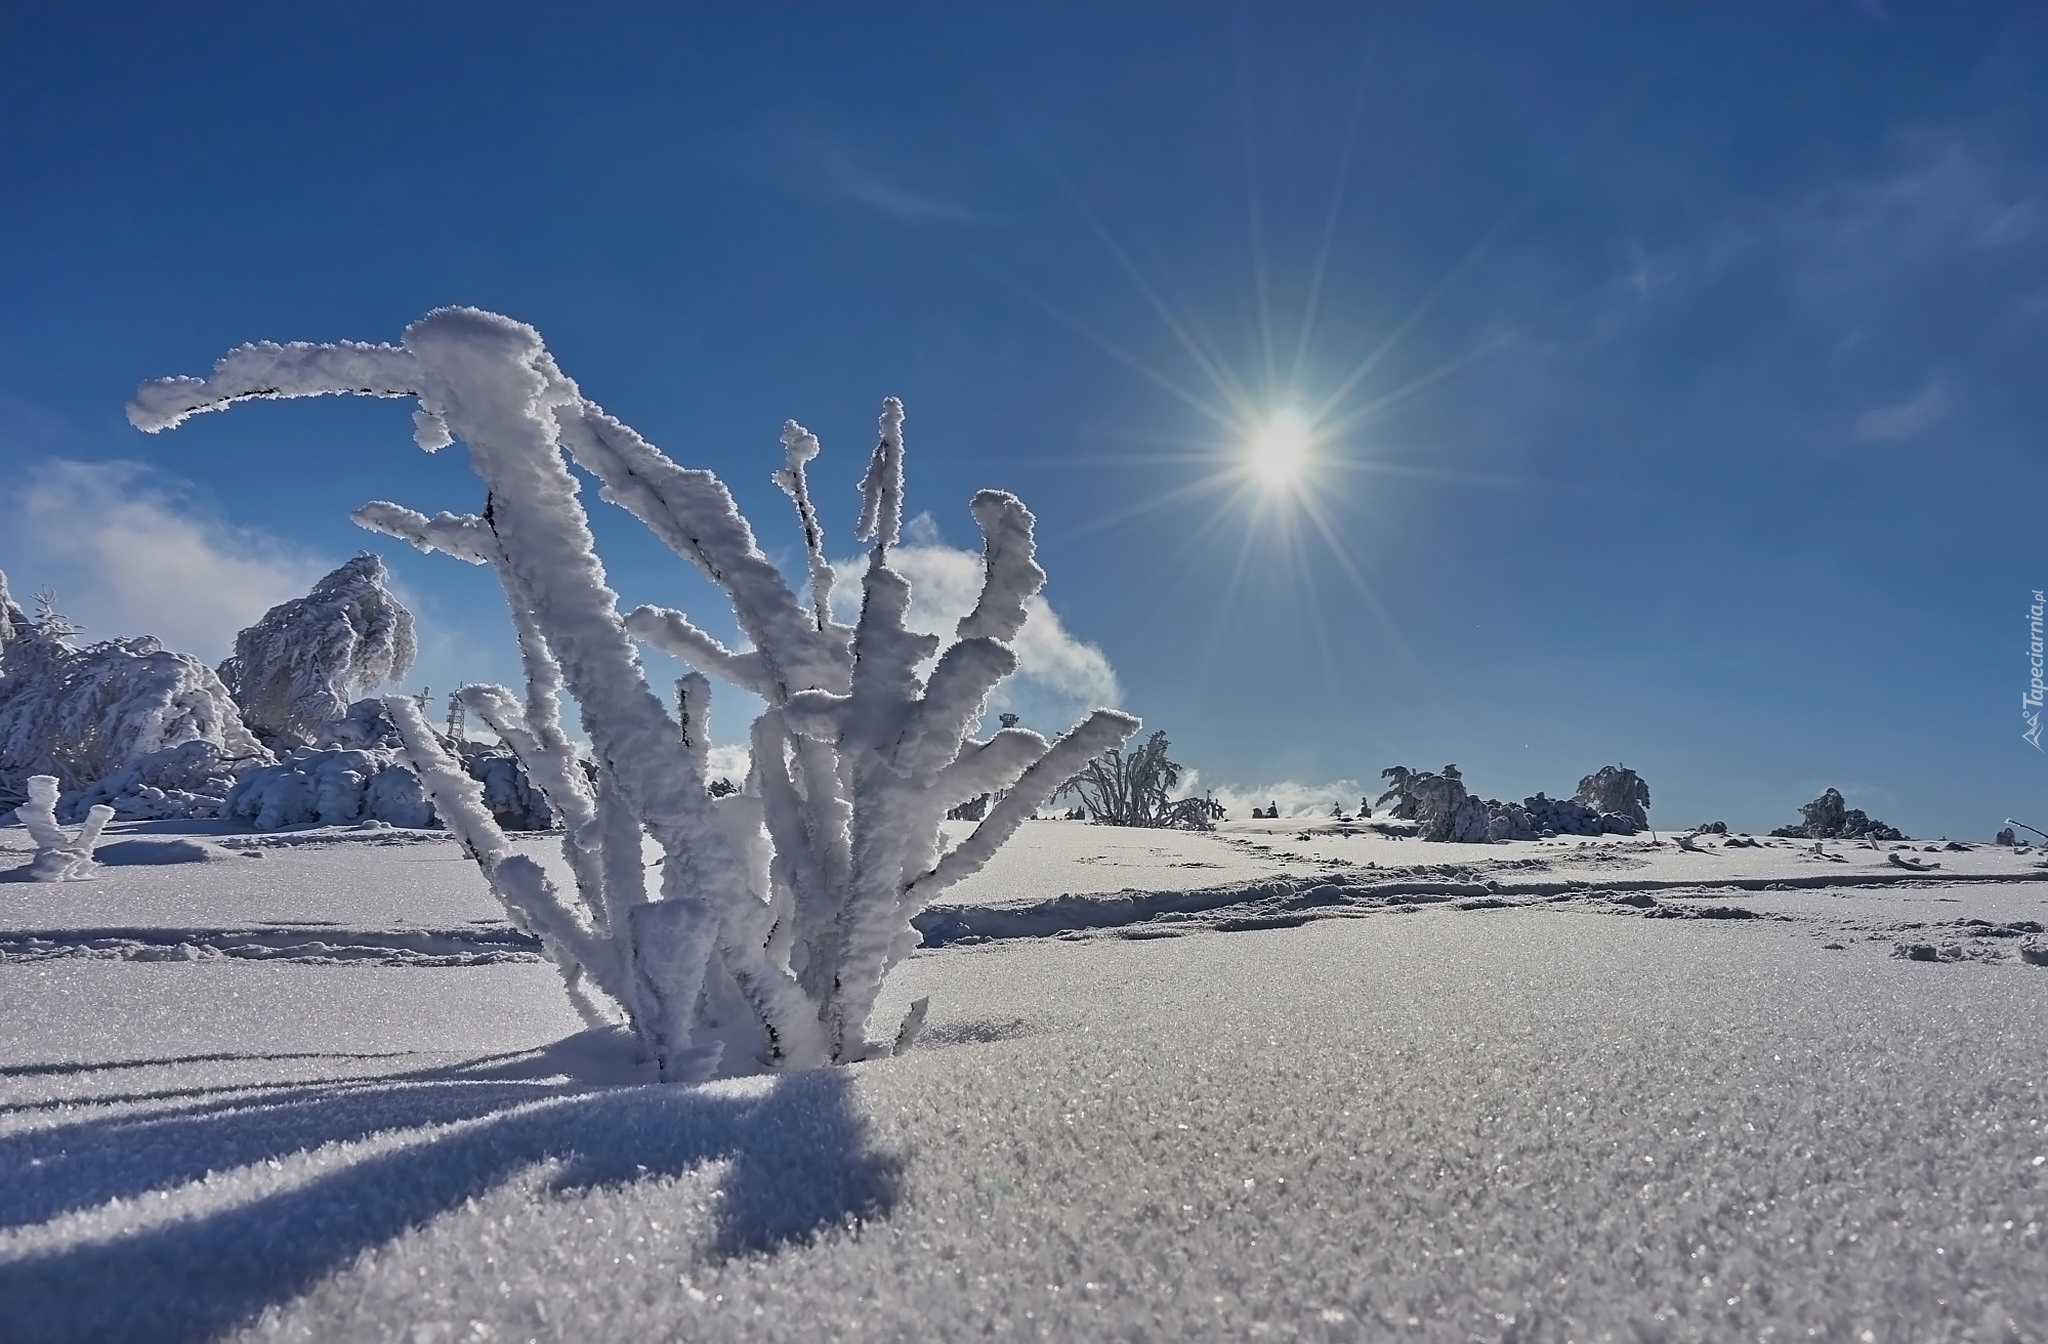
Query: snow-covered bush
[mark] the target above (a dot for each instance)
(1133, 788)
(292, 672)
(1447, 812)
(1829, 817)
(363, 727)
(1439, 802)
(1617, 790)
(329, 786)
(780, 908)
(181, 782)
(59, 857)
(360, 773)
(508, 793)
(82, 715)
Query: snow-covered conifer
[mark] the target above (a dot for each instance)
(295, 671)
(781, 907)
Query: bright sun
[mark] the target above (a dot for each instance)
(1279, 451)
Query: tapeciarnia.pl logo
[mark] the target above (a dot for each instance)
(2030, 706)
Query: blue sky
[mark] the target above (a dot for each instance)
(1679, 368)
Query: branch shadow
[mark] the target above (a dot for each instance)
(800, 1164)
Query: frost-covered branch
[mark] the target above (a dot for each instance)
(779, 908)
(266, 369)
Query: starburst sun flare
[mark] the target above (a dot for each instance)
(1278, 452)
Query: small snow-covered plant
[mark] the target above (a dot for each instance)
(59, 857)
(294, 671)
(780, 908)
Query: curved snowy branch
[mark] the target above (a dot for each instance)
(1012, 576)
(881, 489)
(799, 446)
(672, 632)
(466, 536)
(1099, 732)
(266, 369)
(694, 514)
(988, 767)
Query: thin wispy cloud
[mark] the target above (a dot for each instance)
(847, 179)
(1908, 419)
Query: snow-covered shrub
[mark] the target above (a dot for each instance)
(1829, 817)
(181, 782)
(363, 727)
(293, 671)
(1133, 788)
(780, 908)
(508, 793)
(81, 715)
(59, 857)
(1616, 789)
(329, 786)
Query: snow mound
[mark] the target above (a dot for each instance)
(330, 786)
(185, 782)
(145, 853)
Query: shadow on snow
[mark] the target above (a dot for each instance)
(800, 1162)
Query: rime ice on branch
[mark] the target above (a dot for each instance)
(779, 908)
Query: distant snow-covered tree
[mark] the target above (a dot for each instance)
(296, 670)
(1135, 788)
(1617, 790)
(1829, 817)
(81, 715)
(1438, 802)
(14, 622)
(779, 908)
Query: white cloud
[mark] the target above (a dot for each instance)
(1908, 418)
(1292, 797)
(131, 551)
(1059, 678)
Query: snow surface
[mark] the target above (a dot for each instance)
(329, 1094)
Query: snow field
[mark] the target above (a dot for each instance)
(1534, 1118)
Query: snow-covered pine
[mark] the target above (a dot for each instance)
(84, 715)
(295, 671)
(780, 908)
(59, 857)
